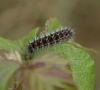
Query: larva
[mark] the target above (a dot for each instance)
(63, 34)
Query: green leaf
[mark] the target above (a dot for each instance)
(53, 24)
(19, 45)
(23, 43)
(82, 67)
(31, 36)
(7, 45)
(7, 70)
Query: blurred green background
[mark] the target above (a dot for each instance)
(19, 17)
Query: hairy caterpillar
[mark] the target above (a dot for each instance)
(60, 35)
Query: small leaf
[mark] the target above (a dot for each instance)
(52, 24)
(23, 43)
(7, 45)
(7, 70)
(31, 36)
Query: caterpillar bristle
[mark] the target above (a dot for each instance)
(63, 34)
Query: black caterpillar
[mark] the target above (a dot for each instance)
(63, 34)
